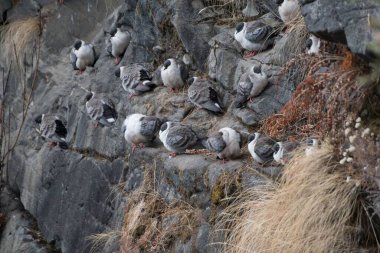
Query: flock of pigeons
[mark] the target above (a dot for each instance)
(141, 129)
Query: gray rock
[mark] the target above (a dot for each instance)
(82, 186)
(344, 22)
(223, 59)
(202, 238)
(4, 6)
(21, 236)
(194, 37)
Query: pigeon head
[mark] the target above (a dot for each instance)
(309, 43)
(164, 126)
(167, 64)
(89, 96)
(276, 147)
(117, 72)
(39, 118)
(253, 137)
(256, 69)
(113, 32)
(311, 142)
(279, 2)
(191, 81)
(77, 44)
(239, 27)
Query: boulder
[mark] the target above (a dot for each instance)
(345, 22)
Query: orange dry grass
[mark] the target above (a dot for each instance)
(322, 101)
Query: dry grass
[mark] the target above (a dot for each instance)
(323, 100)
(297, 34)
(151, 225)
(99, 240)
(312, 209)
(17, 40)
(228, 11)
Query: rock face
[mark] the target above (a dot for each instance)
(344, 22)
(69, 194)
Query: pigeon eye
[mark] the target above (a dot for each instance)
(251, 138)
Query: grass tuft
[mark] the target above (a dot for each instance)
(312, 209)
(17, 39)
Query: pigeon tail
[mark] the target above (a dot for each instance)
(63, 145)
(240, 101)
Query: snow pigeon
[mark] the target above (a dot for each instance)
(283, 151)
(118, 42)
(254, 36)
(202, 95)
(101, 109)
(312, 146)
(313, 44)
(250, 85)
(174, 74)
(82, 55)
(288, 9)
(53, 129)
(177, 137)
(226, 143)
(261, 148)
(139, 129)
(135, 79)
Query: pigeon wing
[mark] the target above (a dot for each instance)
(73, 59)
(264, 148)
(180, 138)
(258, 32)
(149, 126)
(183, 71)
(215, 143)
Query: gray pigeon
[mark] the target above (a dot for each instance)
(118, 42)
(139, 129)
(254, 36)
(203, 95)
(174, 74)
(82, 55)
(53, 128)
(226, 143)
(101, 109)
(135, 79)
(177, 137)
(283, 151)
(250, 85)
(261, 148)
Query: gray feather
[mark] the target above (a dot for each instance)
(150, 126)
(204, 96)
(181, 137)
(264, 148)
(258, 32)
(215, 143)
(73, 60)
